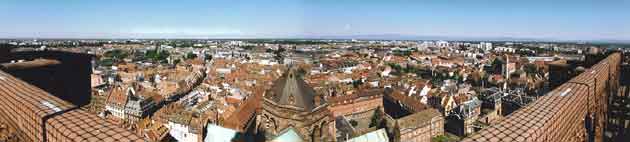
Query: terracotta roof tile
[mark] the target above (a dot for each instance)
(239, 119)
(117, 96)
(556, 116)
(413, 103)
(61, 120)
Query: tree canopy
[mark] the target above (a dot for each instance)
(191, 55)
(376, 117)
(116, 54)
(156, 56)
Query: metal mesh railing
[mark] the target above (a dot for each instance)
(575, 111)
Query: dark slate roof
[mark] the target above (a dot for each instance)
(290, 89)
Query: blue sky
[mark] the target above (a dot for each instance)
(547, 19)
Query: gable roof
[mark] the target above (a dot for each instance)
(118, 96)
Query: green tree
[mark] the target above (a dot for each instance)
(497, 65)
(208, 57)
(456, 77)
(248, 47)
(445, 138)
(530, 69)
(278, 54)
(440, 138)
(116, 54)
(354, 123)
(356, 83)
(156, 56)
(376, 117)
(396, 133)
(395, 66)
(191, 55)
(106, 62)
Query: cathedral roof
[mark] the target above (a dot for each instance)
(290, 89)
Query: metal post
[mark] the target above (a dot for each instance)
(588, 99)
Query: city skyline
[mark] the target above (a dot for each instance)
(314, 70)
(488, 20)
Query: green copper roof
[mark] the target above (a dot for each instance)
(290, 135)
(375, 136)
(219, 134)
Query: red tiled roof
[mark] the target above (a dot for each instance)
(117, 96)
(41, 116)
(239, 119)
(459, 99)
(361, 93)
(414, 103)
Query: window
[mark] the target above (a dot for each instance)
(291, 99)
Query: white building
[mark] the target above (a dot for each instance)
(182, 132)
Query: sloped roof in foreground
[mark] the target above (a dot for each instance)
(559, 115)
(40, 116)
